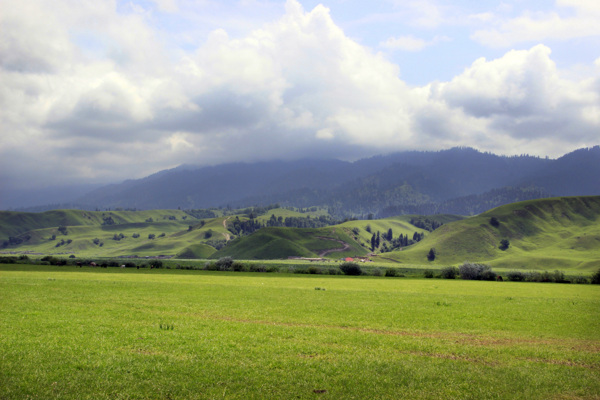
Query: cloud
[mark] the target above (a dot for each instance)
(411, 43)
(522, 98)
(539, 26)
(421, 13)
(92, 92)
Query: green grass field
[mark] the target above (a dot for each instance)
(68, 333)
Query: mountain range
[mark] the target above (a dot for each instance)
(459, 180)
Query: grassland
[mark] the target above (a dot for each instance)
(548, 234)
(277, 243)
(558, 233)
(126, 334)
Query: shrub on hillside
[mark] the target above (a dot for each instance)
(580, 279)
(504, 244)
(350, 268)
(449, 272)
(476, 272)
(431, 255)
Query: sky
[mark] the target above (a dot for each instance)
(95, 91)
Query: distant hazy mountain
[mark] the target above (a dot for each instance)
(462, 180)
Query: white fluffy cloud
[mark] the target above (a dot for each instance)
(524, 102)
(89, 91)
(539, 26)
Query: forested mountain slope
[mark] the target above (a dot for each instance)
(460, 181)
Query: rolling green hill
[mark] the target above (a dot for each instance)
(124, 233)
(556, 233)
(97, 233)
(276, 243)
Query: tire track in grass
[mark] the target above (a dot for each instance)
(466, 339)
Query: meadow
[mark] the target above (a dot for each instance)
(73, 333)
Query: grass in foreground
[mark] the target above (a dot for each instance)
(77, 334)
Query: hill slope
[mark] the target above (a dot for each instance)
(281, 243)
(556, 233)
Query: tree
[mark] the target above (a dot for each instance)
(449, 272)
(390, 235)
(373, 242)
(431, 254)
(224, 263)
(596, 278)
(494, 222)
(504, 244)
(378, 240)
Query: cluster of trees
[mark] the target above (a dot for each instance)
(118, 237)
(246, 227)
(15, 240)
(202, 214)
(108, 220)
(301, 222)
(218, 244)
(386, 241)
(63, 242)
(429, 224)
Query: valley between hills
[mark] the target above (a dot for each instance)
(545, 234)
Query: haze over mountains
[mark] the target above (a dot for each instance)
(459, 180)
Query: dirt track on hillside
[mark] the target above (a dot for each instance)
(337, 250)
(227, 236)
